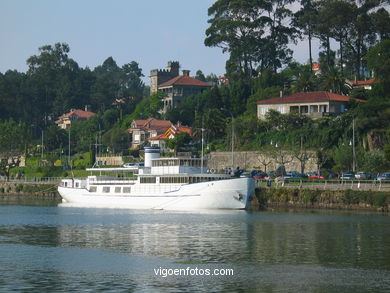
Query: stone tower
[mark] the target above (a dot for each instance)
(158, 76)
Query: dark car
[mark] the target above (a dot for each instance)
(347, 176)
(294, 175)
(384, 177)
(363, 175)
(258, 174)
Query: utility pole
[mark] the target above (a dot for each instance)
(42, 145)
(69, 148)
(353, 147)
(201, 159)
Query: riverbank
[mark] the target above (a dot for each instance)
(33, 190)
(323, 199)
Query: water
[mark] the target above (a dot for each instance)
(69, 249)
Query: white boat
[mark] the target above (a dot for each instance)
(163, 183)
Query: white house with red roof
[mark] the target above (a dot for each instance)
(65, 121)
(313, 104)
(170, 133)
(141, 130)
(366, 84)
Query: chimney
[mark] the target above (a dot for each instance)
(186, 72)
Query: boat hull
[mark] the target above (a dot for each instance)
(222, 194)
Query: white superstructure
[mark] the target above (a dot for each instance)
(164, 183)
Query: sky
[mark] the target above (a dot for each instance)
(150, 32)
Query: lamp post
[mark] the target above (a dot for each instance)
(353, 146)
(232, 136)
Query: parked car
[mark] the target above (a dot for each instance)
(315, 175)
(133, 165)
(384, 177)
(294, 175)
(347, 176)
(257, 174)
(363, 175)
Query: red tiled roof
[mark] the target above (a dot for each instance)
(321, 96)
(173, 130)
(364, 82)
(79, 113)
(152, 124)
(159, 137)
(184, 80)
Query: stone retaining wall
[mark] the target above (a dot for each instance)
(252, 160)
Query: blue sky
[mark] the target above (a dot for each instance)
(150, 32)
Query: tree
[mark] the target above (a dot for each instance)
(265, 159)
(52, 75)
(7, 163)
(116, 139)
(55, 137)
(179, 142)
(199, 75)
(379, 61)
(374, 162)
(131, 82)
(305, 19)
(253, 32)
(343, 158)
(13, 136)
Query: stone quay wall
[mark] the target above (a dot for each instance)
(252, 160)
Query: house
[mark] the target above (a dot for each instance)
(313, 104)
(141, 130)
(65, 121)
(366, 84)
(170, 133)
(176, 87)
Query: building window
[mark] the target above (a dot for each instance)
(263, 110)
(313, 108)
(304, 109)
(282, 109)
(323, 108)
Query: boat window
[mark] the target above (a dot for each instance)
(118, 189)
(174, 179)
(126, 189)
(66, 184)
(148, 179)
(92, 189)
(77, 184)
(106, 189)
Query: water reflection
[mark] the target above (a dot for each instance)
(312, 252)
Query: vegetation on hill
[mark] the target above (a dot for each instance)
(256, 35)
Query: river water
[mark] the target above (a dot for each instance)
(71, 249)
